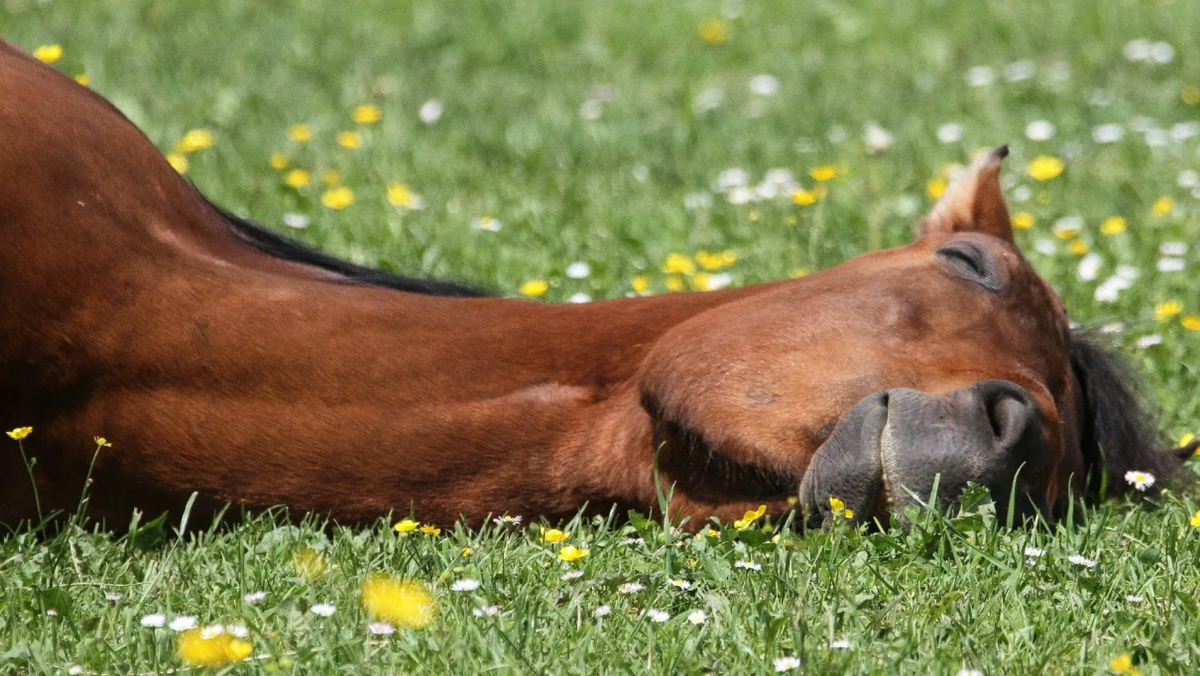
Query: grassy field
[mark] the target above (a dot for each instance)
(516, 138)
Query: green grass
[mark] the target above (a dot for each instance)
(512, 144)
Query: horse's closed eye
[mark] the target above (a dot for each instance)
(972, 262)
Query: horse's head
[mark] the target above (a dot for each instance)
(948, 360)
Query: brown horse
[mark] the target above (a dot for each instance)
(222, 359)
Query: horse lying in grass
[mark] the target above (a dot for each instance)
(225, 360)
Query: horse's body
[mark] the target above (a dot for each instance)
(220, 361)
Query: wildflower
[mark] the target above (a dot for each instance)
(182, 623)
(83, 79)
(578, 270)
(1170, 264)
(1039, 130)
(580, 297)
(48, 53)
(297, 221)
(936, 187)
(1186, 438)
(1034, 552)
(707, 532)
(602, 611)
(254, 597)
(980, 76)
(309, 564)
(381, 629)
(404, 603)
(1045, 167)
(534, 288)
(209, 648)
(507, 520)
(19, 433)
(1113, 225)
(633, 541)
(431, 111)
(950, 133)
(640, 284)
(681, 585)
(399, 195)
(630, 588)
(366, 114)
(697, 617)
(1139, 480)
(788, 663)
(678, 264)
(195, 140)
(1078, 247)
(278, 161)
(153, 621)
(748, 565)
(1081, 561)
(113, 597)
(300, 133)
(488, 611)
(1068, 226)
(406, 526)
(1023, 220)
(750, 517)
(823, 173)
(297, 178)
(877, 139)
(1190, 322)
(178, 162)
(804, 197)
(465, 585)
(659, 616)
(714, 32)
(486, 223)
(571, 575)
(1167, 309)
(1134, 598)
(572, 553)
(840, 644)
(349, 139)
(764, 85)
(338, 198)
(1148, 341)
(430, 529)
(466, 551)
(1108, 133)
(1123, 664)
(323, 609)
(1162, 206)
(1195, 520)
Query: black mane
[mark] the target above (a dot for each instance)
(274, 244)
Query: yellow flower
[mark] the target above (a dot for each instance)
(1078, 247)
(1113, 225)
(194, 140)
(1190, 322)
(700, 281)
(823, 173)
(534, 288)
(367, 114)
(707, 532)
(1195, 520)
(300, 133)
(405, 526)
(48, 53)
(749, 518)
(837, 505)
(1190, 95)
(399, 195)
(178, 162)
(572, 553)
(729, 257)
(640, 284)
(349, 139)
(678, 264)
(20, 433)
(278, 161)
(709, 261)
(935, 188)
(1186, 438)
(675, 283)
(407, 604)
(83, 79)
(1045, 167)
(555, 535)
(297, 178)
(1123, 664)
(308, 564)
(338, 198)
(331, 178)
(101, 441)
(197, 648)
(1023, 220)
(849, 513)
(1163, 206)
(714, 32)
(430, 529)
(466, 551)
(1167, 309)
(799, 272)
(804, 197)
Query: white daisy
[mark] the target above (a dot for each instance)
(630, 588)
(1019, 70)
(877, 139)
(682, 585)
(154, 621)
(1081, 561)
(1112, 327)
(764, 85)
(465, 585)
(1139, 480)
(580, 297)
(748, 565)
(697, 617)
(840, 644)
(113, 597)
(74, 670)
(1134, 598)
(716, 281)
(1173, 248)
(697, 201)
(1148, 341)
(381, 628)
(254, 597)
(1182, 131)
(1108, 133)
(237, 630)
(485, 611)
(1089, 266)
(1039, 130)
(211, 631)
(591, 110)
(970, 672)
(950, 132)
(788, 663)
(571, 575)
(487, 223)
(431, 111)
(658, 615)
(183, 623)
(709, 99)
(507, 520)
(323, 609)
(602, 611)
(633, 541)
(297, 221)
(980, 76)
(1137, 50)
(1161, 52)
(578, 270)
(641, 173)
(1189, 179)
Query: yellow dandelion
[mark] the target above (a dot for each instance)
(1190, 95)
(935, 188)
(714, 32)
(1123, 664)
(804, 197)
(750, 517)
(640, 283)
(675, 283)
(349, 139)
(405, 526)
(300, 133)
(400, 195)
(278, 161)
(1045, 167)
(678, 264)
(309, 564)
(1078, 247)
(572, 553)
(555, 535)
(1163, 206)
(535, 288)
(367, 114)
(331, 177)
(83, 79)
(407, 604)
(1167, 309)
(338, 198)
(1023, 220)
(823, 173)
(430, 529)
(1190, 322)
(208, 648)
(20, 433)
(48, 53)
(297, 178)
(195, 140)
(1113, 225)
(178, 162)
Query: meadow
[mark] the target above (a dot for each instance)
(577, 151)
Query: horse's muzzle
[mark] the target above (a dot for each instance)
(892, 448)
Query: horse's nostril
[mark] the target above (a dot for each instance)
(1009, 410)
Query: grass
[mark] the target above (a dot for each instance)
(513, 79)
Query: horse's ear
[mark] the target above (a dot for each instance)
(973, 202)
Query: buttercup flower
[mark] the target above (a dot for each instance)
(640, 284)
(572, 553)
(195, 140)
(714, 32)
(1195, 520)
(1113, 225)
(404, 603)
(406, 525)
(278, 161)
(554, 535)
(309, 564)
(349, 139)
(20, 433)
(1123, 664)
(430, 529)
(366, 114)
(1023, 220)
(1167, 309)
(297, 178)
(750, 517)
(338, 198)
(535, 288)
(178, 162)
(823, 173)
(399, 195)
(1045, 167)
(300, 133)
(1162, 206)
(48, 53)
(211, 648)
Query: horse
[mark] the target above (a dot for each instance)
(227, 363)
